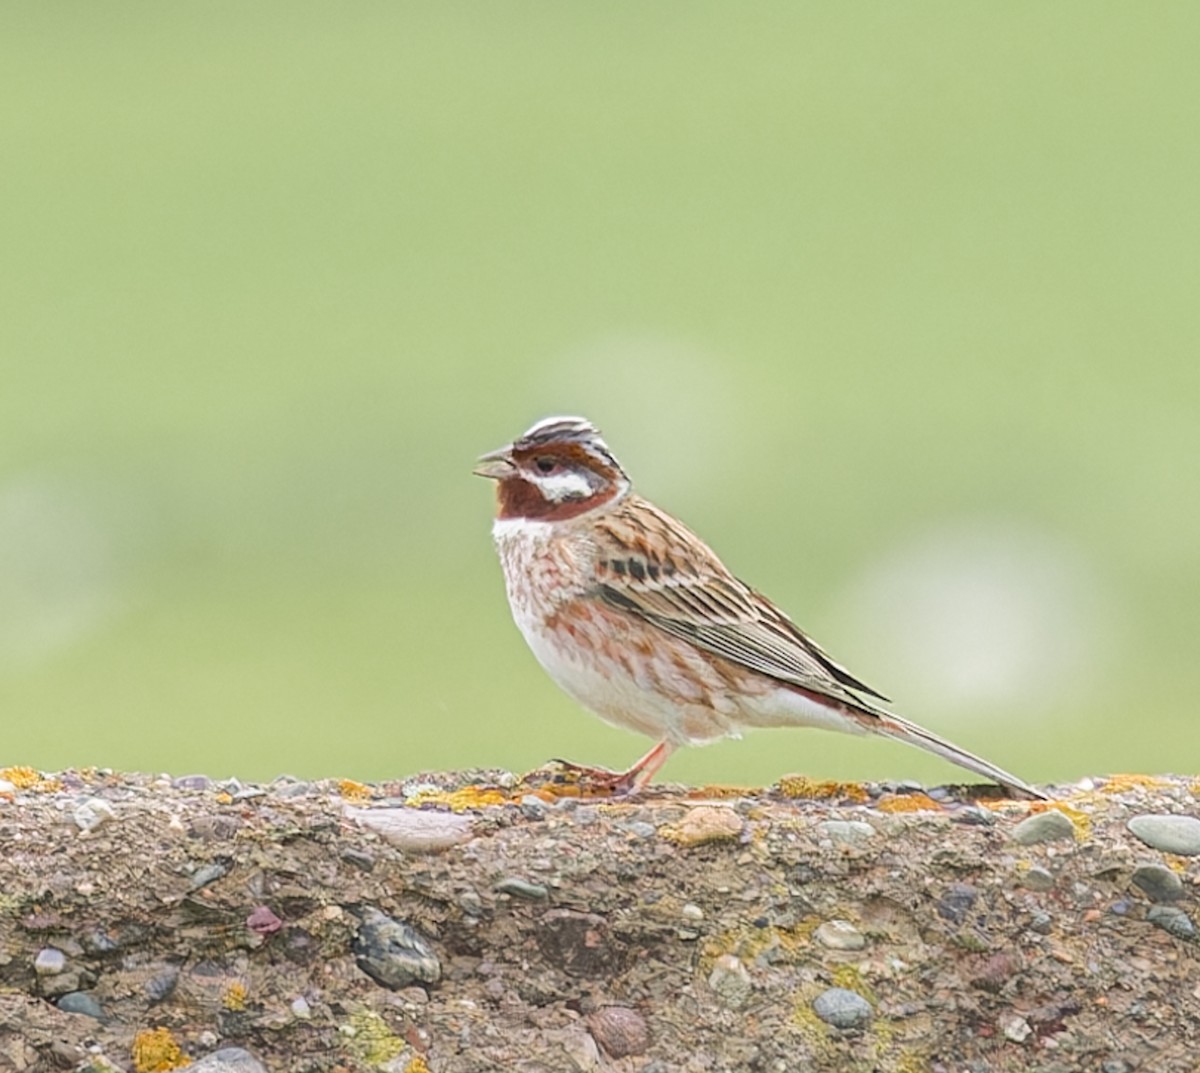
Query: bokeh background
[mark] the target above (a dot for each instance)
(897, 305)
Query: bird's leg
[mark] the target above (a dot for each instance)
(621, 782)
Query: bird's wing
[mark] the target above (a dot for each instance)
(651, 566)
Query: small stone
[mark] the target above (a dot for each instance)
(840, 935)
(364, 862)
(81, 1002)
(161, 986)
(7, 787)
(846, 832)
(300, 1008)
(293, 789)
(192, 782)
(1048, 826)
(228, 1060)
(263, 921)
(619, 1031)
(1158, 882)
(704, 824)
(956, 902)
(1037, 878)
(1171, 834)
(92, 813)
(393, 953)
(1015, 1027)
(841, 1008)
(691, 912)
(1041, 922)
(730, 980)
(1173, 921)
(49, 961)
(249, 793)
(641, 829)
(520, 888)
(206, 874)
(414, 830)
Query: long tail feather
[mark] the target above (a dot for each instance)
(893, 726)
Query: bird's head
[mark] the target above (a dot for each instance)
(560, 468)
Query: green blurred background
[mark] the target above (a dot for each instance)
(895, 304)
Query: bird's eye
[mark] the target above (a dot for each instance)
(546, 465)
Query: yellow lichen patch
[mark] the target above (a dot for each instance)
(354, 791)
(851, 978)
(917, 802)
(26, 778)
(224, 797)
(371, 1041)
(1175, 863)
(704, 824)
(417, 1065)
(469, 797)
(721, 792)
(1117, 784)
(155, 1051)
(235, 996)
(801, 786)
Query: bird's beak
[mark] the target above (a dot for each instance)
(496, 464)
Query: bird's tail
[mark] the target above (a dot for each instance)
(893, 726)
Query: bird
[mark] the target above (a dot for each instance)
(639, 621)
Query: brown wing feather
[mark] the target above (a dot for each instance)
(651, 566)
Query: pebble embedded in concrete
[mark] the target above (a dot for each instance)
(840, 935)
(393, 953)
(1158, 882)
(842, 1008)
(1048, 826)
(730, 980)
(1169, 833)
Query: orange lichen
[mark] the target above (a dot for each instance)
(417, 1065)
(801, 786)
(234, 997)
(354, 791)
(155, 1051)
(917, 802)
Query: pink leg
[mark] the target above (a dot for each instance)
(638, 777)
(624, 782)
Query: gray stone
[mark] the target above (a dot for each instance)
(730, 981)
(1049, 826)
(92, 813)
(228, 1060)
(1158, 882)
(49, 961)
(842, 1008)
(192, 782)
(414, 830)
(521, 888)
(1171, 834)
(393, 953)
(840, 935)
(846, 832)
(1173, 921)
(81, 1002)
(1037, 879)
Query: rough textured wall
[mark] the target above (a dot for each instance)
(469, 922)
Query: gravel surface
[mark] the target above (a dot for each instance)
(479, 921)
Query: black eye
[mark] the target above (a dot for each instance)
(546, 465)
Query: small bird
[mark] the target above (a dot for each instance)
(636, 618)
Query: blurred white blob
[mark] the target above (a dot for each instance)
(667, 409)
(57, 573)
(980, 615)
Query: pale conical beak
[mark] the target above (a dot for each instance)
(496, 464)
